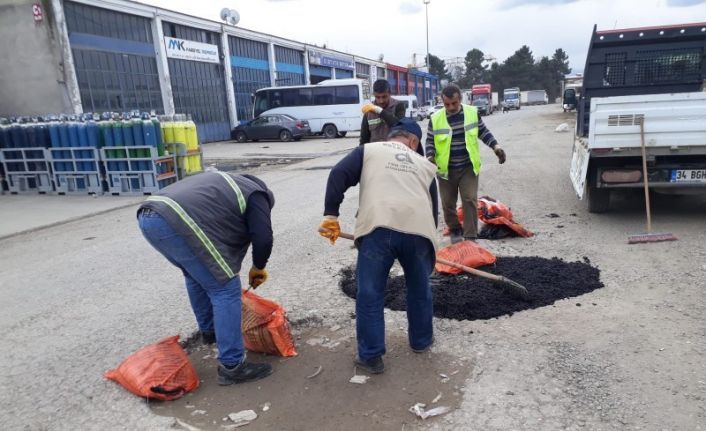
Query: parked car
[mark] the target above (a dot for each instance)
(272, 126)
(433, 109)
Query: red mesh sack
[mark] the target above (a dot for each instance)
(161, 371)
(264, 326)
(466, 253)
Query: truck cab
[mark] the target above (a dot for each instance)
(648, 78)
(482, 98)
(511, 98)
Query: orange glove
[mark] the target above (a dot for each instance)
(329, 228)
(369, 107)
(257, 276)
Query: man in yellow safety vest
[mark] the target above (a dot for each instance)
(452, 144)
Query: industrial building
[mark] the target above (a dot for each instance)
(118, 55)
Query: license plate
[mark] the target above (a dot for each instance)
(688, 176)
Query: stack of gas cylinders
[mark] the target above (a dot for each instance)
(180, 129)
(107, 130)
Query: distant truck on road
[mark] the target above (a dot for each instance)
(511, 98)
(482, 98)
(652, 76)
(534, 97)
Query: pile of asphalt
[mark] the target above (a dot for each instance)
(466, 297)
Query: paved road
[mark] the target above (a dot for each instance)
(78, 298)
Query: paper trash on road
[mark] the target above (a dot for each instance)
(243, 417)
(563, 127)
(418, 409)
(359, 379)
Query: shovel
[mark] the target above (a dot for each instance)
(516, 289)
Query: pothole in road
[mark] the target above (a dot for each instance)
(465, 297)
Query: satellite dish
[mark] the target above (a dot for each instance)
(230, 16)
(381, 57)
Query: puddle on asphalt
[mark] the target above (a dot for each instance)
(289, 400)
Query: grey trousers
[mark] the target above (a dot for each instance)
(465, 182)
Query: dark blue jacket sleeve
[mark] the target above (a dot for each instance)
(434, 202)
(260, 228)
(343, 176)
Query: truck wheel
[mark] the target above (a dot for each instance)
(330, 131)
(598, 199)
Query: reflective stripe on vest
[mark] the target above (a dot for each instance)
(241, 200)
(186, 218)
(443, 135)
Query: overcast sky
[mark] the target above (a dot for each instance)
(396, 28)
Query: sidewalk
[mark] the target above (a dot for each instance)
(305, 149)
(22, 213)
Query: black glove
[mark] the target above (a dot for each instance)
(500, 153)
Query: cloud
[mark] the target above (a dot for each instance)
(511, 4)
(680, 3)
(409, 7)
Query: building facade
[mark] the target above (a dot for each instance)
(119, 55)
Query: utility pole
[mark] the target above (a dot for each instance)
(426, 8)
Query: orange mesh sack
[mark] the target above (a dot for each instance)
(161, 370)
(265, 327)
(491, 211)
(466, 253)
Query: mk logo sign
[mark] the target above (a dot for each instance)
(176, 44)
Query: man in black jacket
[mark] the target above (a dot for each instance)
(204, 225)
(380, 117)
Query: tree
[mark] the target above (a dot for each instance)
(559, 69)
(476, 72)
(437, 67)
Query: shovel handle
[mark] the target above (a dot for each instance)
(519, 290)
(467, 269)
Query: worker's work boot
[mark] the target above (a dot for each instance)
(456, 236)
(208, 337)
(245, 372)
(423, 349)
(372, 365)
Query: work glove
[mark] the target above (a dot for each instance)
(500, 153)
(329, 228)
(257, 276)
(369, 107)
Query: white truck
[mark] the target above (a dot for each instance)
(652, 76)
(534, 97)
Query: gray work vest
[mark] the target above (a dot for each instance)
(208, 211)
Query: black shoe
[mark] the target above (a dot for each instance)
(208, 337)
(245, 372)
(423, 349)
(373, 365)
(456, 237)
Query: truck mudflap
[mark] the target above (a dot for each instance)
(579, 166)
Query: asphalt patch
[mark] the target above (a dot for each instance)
(465, 297)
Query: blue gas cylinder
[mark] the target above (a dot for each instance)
(73, 134)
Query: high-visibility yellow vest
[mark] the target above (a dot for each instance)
(443, 134)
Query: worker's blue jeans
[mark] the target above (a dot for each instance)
(216, 306)
(377, 252)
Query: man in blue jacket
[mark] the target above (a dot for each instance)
(397, 219)
(204, 225)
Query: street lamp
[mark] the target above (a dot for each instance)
(426, 8)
